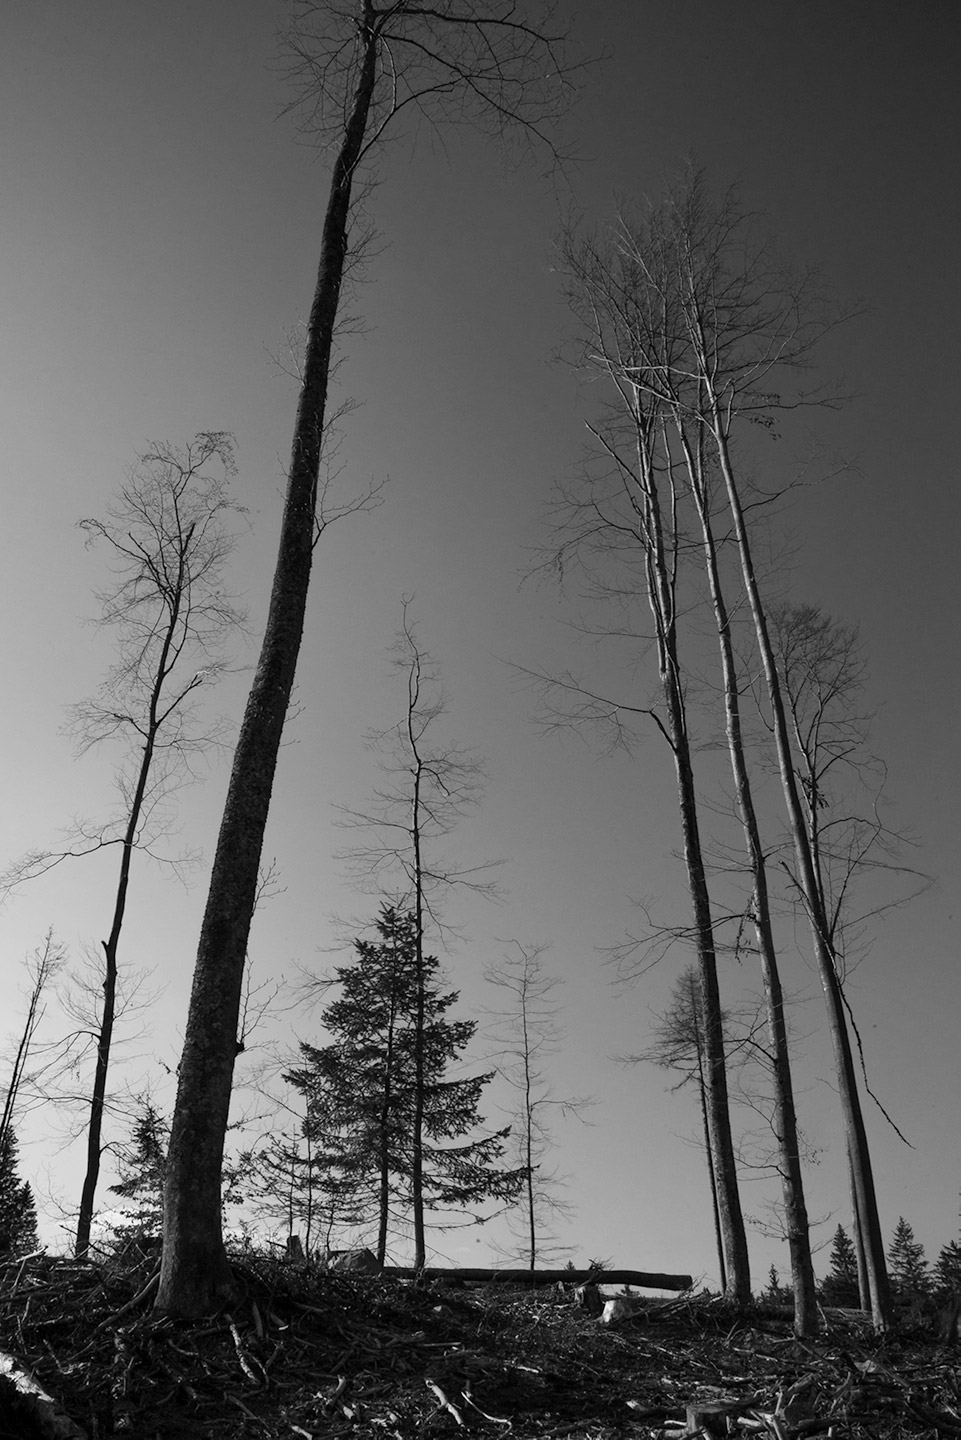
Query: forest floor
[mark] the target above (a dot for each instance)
(326, 1355)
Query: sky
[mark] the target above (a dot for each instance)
(159, 236)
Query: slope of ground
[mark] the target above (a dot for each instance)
(307, 1354)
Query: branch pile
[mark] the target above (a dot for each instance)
(308, 1354)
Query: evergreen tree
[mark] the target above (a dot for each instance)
(908, 1268)
(142, 1168)
(840, 1285)
(776, 1292)
(362, 1090)
(18, 1212)
(947, 1270)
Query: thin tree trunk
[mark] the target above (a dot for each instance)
(309, 1219)
(383, 1219)
(111, 944)
(712, 1177)
(107, 1018)
(864, 1288)
(195, 1272)
(662, 601)
(383, 1209)
(738, 1287)
(417, 1134)
(45, 966)
(785, 1116)
(529, 1138)
(866, 1199)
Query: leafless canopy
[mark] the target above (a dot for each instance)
(490, 64)
(167, 544)
(429, 785)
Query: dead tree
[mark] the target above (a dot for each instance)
(525, 1034)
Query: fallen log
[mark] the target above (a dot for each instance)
(27, 1398)
(643, 1279)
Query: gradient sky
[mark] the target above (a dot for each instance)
(159, 237)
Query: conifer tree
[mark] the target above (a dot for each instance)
(908, 1268)
(142, 1167)
(947, 1269)
(775, 1291)
(431, 785)
(18, 1212)
(840, 1285)
(364, 1089)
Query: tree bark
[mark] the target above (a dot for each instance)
(195, 1272)
(643, 1279)
(660, 592)
(738, 1286)
(111, 945)
(856, 1135)
(785, 1116)
(529, 1140)
(711, 1173)
(417, 1124)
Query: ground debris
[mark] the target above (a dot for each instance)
(306, 1353)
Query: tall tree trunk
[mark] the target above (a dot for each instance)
(383, 1158)
(785, 1115)
(309, 1218)
(663, 609)
(856, 1135)
(108, 1014)
(712, 1176)
(111, 945)
(417, 1127)
(738, 1286)
(194, 1271)
(529, 1139)
(864, 1288)
(47, 961)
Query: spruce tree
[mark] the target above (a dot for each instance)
(840, 1285)
(775, 1292)
(142, 1168)
(908, 1268)
(362, 1090)
(947, 1270)
(18, 1212)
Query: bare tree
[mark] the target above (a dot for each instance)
(679, 1045)
(168, 547)
(430, 785)
(719, 326)
(524, 1036)
(822, 669)
(624, 527)
(806, 1317)
(362, 66)
(633, 288)
(43, 965)
(749, 325)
